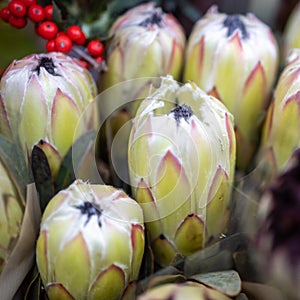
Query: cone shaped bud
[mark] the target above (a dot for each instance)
(146, 42)
(91, 243)
(181, 162)
(43, 97)
(235, 58)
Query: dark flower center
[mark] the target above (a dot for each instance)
(182, 111)
(154, 18)
(233, 23)
(90, 209)
(47, 64)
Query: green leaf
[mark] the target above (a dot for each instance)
(66, 175)
(42, 176)
(217, 257)
(226, 282)
(13, 156)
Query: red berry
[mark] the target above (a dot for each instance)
(47, 30)
(48, 11)
(95, 47)
(99, 59)
(36, 13)
(50, 45)
(61, 33)
(5, 14)
(29, 2)
(17, 22)
(63, 43)
(76, 35)
(82, 39)
(74, 32)
(17, 8)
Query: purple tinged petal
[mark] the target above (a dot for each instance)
(73, 266)
(164, 250)
(217, 209)
(66, 124)
(138, 244)
(109, 284)
(58, 291)
(190, 235)
(34, 116)
(53, 157)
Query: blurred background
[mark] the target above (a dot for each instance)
(16, 43)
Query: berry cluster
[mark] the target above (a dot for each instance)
(17, 12)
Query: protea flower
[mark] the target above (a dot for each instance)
(146, 42)
(291, 34)
(11, 213)
(178, 291)
(181, 164)
(42, 98)
(91, 243)
(235, 58)
(280, 135)
(278, 238)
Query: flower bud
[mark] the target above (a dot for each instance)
(181, 164)
(43, 97)
(235, 58)
(91, 243)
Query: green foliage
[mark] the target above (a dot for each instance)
(12, 155)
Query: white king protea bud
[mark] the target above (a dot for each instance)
(146, 42)
(42, 97)
(181, 164)
(91, 243)
(235, 58)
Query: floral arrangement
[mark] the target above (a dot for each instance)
(146, 157)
